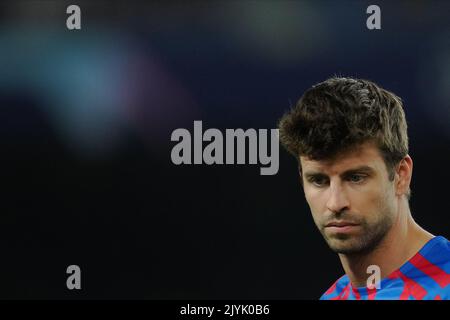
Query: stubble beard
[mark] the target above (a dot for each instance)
(368, 238)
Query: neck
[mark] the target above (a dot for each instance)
(401, 243)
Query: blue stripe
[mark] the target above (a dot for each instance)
(431, 287)
(440, 254)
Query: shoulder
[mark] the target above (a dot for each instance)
(336, 289)
(436, 254)
(431, 269)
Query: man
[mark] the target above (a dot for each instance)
(350, 139)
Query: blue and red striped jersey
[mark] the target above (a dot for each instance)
(426, 276)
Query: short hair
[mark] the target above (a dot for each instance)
(341, 113)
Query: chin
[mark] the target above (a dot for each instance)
(346, 246)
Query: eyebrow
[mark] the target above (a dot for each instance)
(361, 169)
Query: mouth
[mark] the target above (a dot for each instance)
(341, 226)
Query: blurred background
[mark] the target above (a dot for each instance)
(85, 124)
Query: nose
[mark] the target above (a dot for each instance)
(338, 200)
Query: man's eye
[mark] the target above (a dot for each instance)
(356, 178)
(319, 181)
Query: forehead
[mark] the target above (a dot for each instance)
(366, 154)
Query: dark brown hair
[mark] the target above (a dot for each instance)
(340, 113)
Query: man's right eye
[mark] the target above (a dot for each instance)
(319, 181)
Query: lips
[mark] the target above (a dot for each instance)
(341, 227)
(341, 224)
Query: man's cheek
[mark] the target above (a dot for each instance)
(311, 196)
(316, 201)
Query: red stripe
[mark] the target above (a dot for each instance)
(414, 288)
(431, 270)
(331, 289)
(356, 293)
(371, 293)
(405, 293)
(339, 296)
(437, 298)
(346, 292)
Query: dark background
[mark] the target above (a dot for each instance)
(85, 124)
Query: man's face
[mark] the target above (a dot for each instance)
(351, 198)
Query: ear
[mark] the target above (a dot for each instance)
(403, 176)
